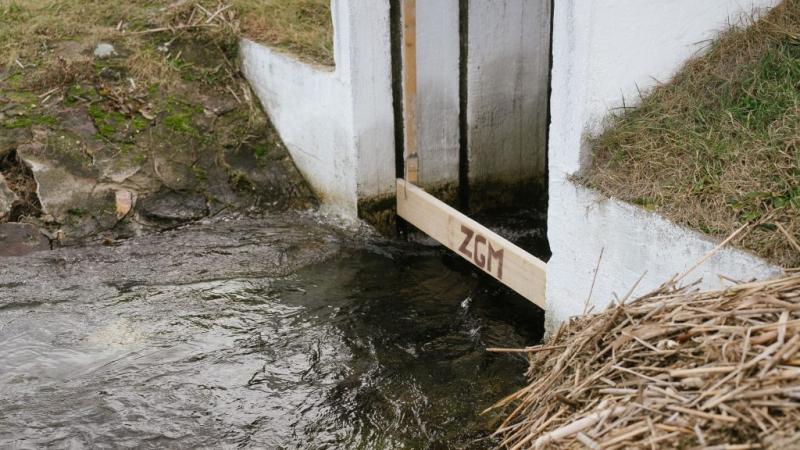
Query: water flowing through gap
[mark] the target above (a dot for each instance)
(276, 333)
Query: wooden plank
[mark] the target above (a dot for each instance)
(496, 256)
(410, 90)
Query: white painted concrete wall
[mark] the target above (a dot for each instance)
(633, 242)
(438, 106)
(337, 123)
(508, 70)
(370, 78)
(604, 51)
(299, 98)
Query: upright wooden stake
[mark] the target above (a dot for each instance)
(410, 90)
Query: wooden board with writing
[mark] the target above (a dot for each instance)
(496, 256)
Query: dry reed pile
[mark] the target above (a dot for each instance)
(674, 369)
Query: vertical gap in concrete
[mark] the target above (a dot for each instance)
(463, 154)
(396, 31)
(544, 203)
(396, 39)
(546, 187)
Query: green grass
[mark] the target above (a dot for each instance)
(719, 146)
(152, 67)
(28, 121)
(181, 122)
(28, 28)
(260, 151)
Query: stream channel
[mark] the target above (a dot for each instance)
(276, 332)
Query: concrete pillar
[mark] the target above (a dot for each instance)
(438, 107)
(508, 78)
(370, 83)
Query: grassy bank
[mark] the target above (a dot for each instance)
(302, 27)
(134, 100)
(719, 145)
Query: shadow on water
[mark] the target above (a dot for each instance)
(416, 331)
(380, 347)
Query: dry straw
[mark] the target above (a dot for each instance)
(676, 368)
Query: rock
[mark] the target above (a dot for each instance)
(218, 104)
(173, 173)
(90, 216)
(175, 156)
(275, 180)
(67, 186)
(76, 120)
(62, 184)
(7, 198)
(17, 239)
(174, 206)
(220, 192)
(104, 50)
(11, 138)
(265, 175)
(124, 201)
(71, 51)
(127, 171)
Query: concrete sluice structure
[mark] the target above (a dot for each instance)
(340, 123)
(503, 116)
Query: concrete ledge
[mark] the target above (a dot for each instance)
(299, 97)
(633, 242)
(337, 123)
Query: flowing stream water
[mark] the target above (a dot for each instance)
(279, 332)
